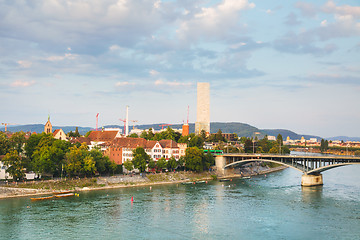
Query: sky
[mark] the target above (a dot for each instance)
(272, 64)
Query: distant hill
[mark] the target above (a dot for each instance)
(241, 129)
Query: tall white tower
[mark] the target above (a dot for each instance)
(203, 108)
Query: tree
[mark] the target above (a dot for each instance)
(172, 163)
(88, 165)
(5, 145)
(193, 159)
(49, 155)
(140, 159)
(133, 135)
(17, 141)
(203, 134)
(151, 164)
(196, 141)
(357, 153)
(88, 133)
(15, 167)
(161, 163)
(208, 161)
(248, 146)
(322, 145)
(128, 165)
(74, 160)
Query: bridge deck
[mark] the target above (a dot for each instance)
(304, 163)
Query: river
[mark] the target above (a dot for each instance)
(274, 206)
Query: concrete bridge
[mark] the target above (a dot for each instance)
(310, 166)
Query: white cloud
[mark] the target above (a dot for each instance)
(61, 58)
(269, 11)
(153, 72)
(114, 47)
(122, 84)
(24, 64)
(214, 21)
(19, 83)
(323, 23)
(237, 45)
(330, 7)
(161, 82)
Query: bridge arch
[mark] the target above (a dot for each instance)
(328, 167)
(243, 162)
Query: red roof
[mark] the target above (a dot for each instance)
(102, 136)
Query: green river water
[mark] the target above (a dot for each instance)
(274, 206)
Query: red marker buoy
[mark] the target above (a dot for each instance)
(132, 199)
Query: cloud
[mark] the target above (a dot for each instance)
(213, 22)
(20, 83)
(153, 72)
(307, 9)
(292, 19)
(61, 58)
(24, 63)
(330, 7)
(303, 43)
(161, 82)
(122, 84)
(334, 78)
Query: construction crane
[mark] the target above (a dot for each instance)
(163, 125)
(123, 120)
(97, 118)
(134, 121)
(6, 124)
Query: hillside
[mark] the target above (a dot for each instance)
(241, 129)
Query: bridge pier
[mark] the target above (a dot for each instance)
(220, 162)
(309, 180)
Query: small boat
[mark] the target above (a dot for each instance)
(199, 182)
(41, 198)
(224, 180)
(63, 192)
(185, 183)
(64, 195)
(245, 178)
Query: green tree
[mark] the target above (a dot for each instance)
(17, 141)
(128, 165)
(15, 167)
(172, 163)
(89, 165)
(140, 159)
(208, 161)
(203, 134)
(357, 153)
(5, 145)
(49, 155)
(151, 164)
(196, 141)
(248, 146)
(193, 159)
(74, 160)
(88, 133)
(161, 163)
(133, 135)
(322, 145)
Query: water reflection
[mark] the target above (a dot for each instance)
(311, 194)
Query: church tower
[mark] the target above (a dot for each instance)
(48, 126)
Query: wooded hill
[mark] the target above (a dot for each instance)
(241, 129)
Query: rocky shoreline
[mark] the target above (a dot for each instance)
(133, 181)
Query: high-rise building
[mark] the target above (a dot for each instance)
(203, 108)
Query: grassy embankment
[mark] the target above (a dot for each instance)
(73, 184)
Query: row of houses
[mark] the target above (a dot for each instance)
(119, 149)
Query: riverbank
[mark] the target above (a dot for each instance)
(34, 188)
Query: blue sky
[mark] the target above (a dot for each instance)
(272, 64)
